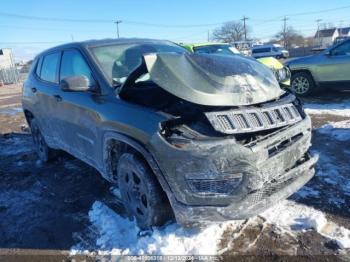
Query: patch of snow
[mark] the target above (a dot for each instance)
(342, 108)
(338, 130)
(120, 236)
(11, 111)
(15, 146)
(296, 217)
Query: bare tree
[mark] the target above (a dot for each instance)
(230, 32)
(289, 37)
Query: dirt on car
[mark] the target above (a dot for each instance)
(45, 206)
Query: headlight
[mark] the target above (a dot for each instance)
(282, 74)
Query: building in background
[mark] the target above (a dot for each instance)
(324, 38)
(6, 58)
(8, 72)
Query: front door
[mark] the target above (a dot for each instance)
(76, 111)
(335, 66)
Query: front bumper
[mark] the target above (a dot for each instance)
(255, 202)
(273, 167)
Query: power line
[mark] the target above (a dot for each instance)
(73, 20)
(30, 43)
(260, 22)
(171, 25)
(53, 29)
(55, 19)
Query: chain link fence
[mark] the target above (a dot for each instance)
(9, 76)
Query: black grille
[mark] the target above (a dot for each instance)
(210, 186)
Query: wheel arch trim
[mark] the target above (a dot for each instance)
(148, 157)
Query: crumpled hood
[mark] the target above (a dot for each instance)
(213, 80)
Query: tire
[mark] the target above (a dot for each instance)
(302, 84)
(45, 153)
(142, 196)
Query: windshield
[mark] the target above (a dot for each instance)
(216, 49)
(119, 60)
(278, 48)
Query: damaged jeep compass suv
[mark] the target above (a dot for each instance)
(195, 136)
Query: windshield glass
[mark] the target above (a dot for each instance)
(216, 49)
(119, 60)
(279, 48)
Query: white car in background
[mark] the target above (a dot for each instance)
(270, 50)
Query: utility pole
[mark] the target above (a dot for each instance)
(318, 31)
(208, 36)
(117, 23)
(245, 28)
(285, 31)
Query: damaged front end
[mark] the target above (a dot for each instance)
(234, 142)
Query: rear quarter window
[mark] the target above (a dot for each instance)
(38, 66)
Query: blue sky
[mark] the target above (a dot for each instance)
(158, 19)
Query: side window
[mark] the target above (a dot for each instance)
(49, 67)
(261, 50)
(38, 66)
(343, 49)
(74, 64)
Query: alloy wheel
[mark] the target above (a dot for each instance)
(301, 85)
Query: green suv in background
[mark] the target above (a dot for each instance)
(281, 72)
(329, 69)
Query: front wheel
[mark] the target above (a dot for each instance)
(142, 196)
(302, 84)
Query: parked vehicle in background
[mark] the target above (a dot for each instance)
(270, 50)
(244, 47)
(281, 72)
(180, 134)
(328, 70)
(212, 48)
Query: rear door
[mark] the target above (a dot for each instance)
(45, 89)
(335, 67)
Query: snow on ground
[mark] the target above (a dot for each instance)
(120, 236)
(294, 218)
(337, 130)
(15, 146)
(11, 110)
(342, 109)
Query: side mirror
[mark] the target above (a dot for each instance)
(328, 53)
(75, 84)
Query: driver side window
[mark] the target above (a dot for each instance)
(343, 49)
(74, 64)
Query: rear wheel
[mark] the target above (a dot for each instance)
(302, 84)
(142, 196)
(44, 152)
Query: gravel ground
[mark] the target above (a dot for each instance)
(57, 208)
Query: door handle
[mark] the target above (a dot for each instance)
(58, 98)
(34, 89)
